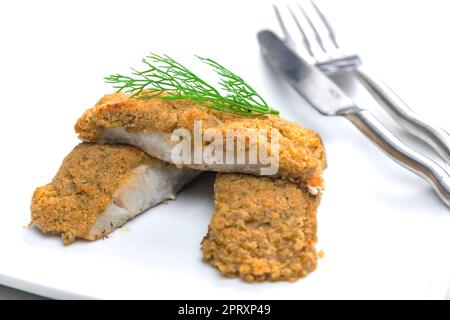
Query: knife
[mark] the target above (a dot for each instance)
(327, 98)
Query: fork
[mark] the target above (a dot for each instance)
(331, 59)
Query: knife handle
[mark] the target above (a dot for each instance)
(400, 152)
(434, 136)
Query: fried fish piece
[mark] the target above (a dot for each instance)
(99, 187)
(149, 123)
(262, 229)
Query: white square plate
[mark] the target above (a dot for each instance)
(383, 231)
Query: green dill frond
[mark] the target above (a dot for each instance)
(164, 74)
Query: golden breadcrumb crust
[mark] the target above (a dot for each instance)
(302, 156)
(83, 188)
(262, 229)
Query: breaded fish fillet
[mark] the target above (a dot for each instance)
(261, 229)
(99, 187)
(149, 123)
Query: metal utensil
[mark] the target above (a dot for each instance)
(331, 59)
(327, 98)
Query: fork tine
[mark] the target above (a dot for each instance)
(326, 23)
(313, 28)
(305, 40)
(286, 33)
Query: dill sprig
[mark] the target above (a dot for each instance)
(165, 75)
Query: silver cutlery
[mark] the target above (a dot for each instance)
(331, 59)
(327, 98)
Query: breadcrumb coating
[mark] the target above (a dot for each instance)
(262, 229)
(302, 156)
(83, 188)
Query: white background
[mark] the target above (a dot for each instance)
(384, 232)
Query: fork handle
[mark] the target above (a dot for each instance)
(400, 152)
(434, 136)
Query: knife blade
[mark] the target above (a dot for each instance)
(314, 86)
